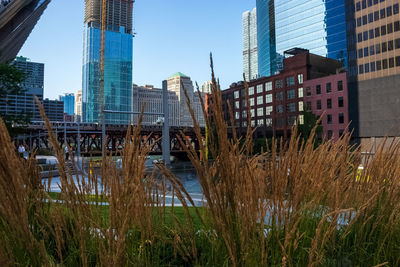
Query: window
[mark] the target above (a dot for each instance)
(268, 86)
(259, 88)
(366, 68)
(389, 28)
(260, 112)
(301, 106)
(383, 13)
(260, 122)
(279, 109)
(329, 103)
(378, 65)
(340, 102)
(376, 15)
(371, 34)
(370, 17)
(268, 122)
(237, 104)
(329, 119)
(383, 30)
(251, 101)
(308, 106)
(384, 47)
(318, 89)
(252, 113)
(268, 98)
(366, 52)
(397, 43)
(237, 115)
(244, 114)
(391, 62)
(378, 49)
(359, 37)
(278, 84)
(397, 61)
(359, 22)
(308, 91)
(397, 26)
(290, 81)
(372, 66)
(330, 133)
(390, 45)
(365, 35)
(389, 11)
(369, 3)
(319, 107)
(358, 6)
(340, 85)
(360, 53)
(328, 87)
(291, 120)
(291, 107)
(377, 32)
(341, 118)
(300, 92)
(372, 50)
(396, 9)
(361, 69)
(300, 78)
(301, 119)
(268, 110)
(279, 96)
(364, 20)
(244, 103)
(385, 64)
(253, 123)
(236, 94)
(291, 94)
(244, 124)
(260, 100)
(251, 90)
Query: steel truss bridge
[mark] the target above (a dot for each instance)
(86, 138)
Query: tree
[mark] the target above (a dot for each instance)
(10, 84)
(310, 121)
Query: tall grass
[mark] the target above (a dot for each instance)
(293, 205)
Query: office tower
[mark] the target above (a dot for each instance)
(54, 110)
(375, 92)
(177, 83)
(151, 99)
(316, 25)
(25, 104)
(69, 103)
(206, 87)
(78, 106)
(17, 20)
(250, 50)
(117, 63)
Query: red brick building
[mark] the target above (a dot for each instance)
(277, 102)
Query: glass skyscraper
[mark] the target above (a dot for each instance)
(316, 25)
(250, 55)
(69, 103)
(117, 63)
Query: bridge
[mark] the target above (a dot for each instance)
(87, 139)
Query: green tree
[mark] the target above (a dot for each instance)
(310, 121)
(10, 84)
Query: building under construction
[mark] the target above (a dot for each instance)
(118, 57)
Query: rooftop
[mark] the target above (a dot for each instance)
(178, 74)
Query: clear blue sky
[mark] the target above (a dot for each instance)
(172, 35)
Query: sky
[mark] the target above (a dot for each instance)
(171, 36)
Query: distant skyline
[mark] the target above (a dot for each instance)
(171, 36)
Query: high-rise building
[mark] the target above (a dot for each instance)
(78, 106)
(206, 87)
(117, 63)
(25, 104)
(54, 110)
(250, 50)
(69, 103)
(316, 25)
(178, 83)
(374, 88)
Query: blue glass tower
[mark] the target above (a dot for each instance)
(316, 25)
(69, 103)
(117, 63)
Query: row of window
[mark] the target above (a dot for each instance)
(280, 122)
(363, 4)
(340, 103)
(378, 31)
(290, 81)
(379, 48)
(379, 65)
(328, 87)
(379, 14)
